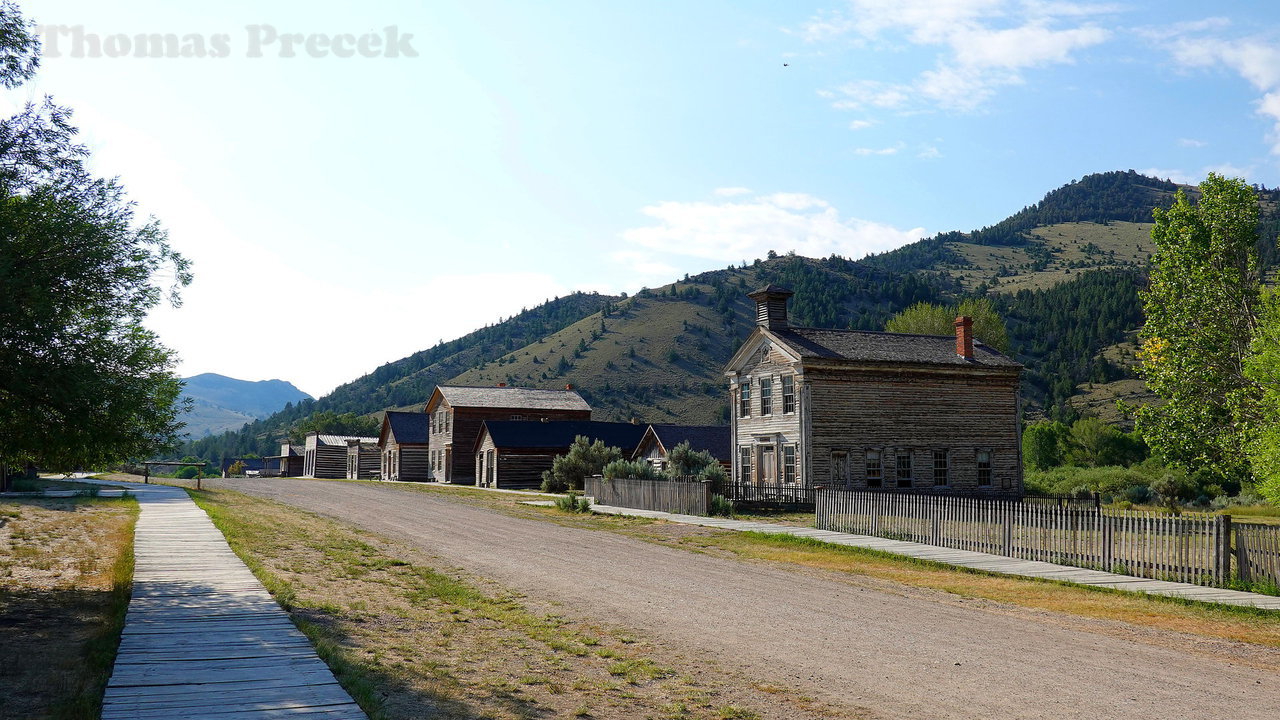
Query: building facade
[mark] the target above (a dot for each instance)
(868, 410)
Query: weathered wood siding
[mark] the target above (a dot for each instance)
(363, 461)
(465, 424)
(409, 462)
(913, 412)
(327, 461)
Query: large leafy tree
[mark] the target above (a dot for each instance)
(1263, 368)
(930, 319)
(1202, 309)
(82, 382)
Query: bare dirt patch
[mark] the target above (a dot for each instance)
(411, 637)
(65, 567)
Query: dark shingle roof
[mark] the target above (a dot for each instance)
(561, 433)
(711, 438)
(409, 427)
(883, 347)
(513, 397)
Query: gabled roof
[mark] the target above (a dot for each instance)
(407, 427)
(714, 439)
(884, 347)
(512, 397)
(866, 347)
(558, 434)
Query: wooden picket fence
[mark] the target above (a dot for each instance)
(674, 496)
(1194, 548)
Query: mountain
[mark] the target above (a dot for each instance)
(220, 403)
(1065, 273)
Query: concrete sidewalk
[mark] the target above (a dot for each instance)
(975, 560)
(203, 638)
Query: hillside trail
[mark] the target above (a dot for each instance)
(893, 650)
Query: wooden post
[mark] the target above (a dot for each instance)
(1224, 562)
(1008, 534)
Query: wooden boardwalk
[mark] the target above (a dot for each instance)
(976, 560)
(203, 638)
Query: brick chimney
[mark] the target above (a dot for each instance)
(771, 307)
(964, 337)
(568, 386)
(502, 384)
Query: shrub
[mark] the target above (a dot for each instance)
(574, 503)
(638, 469)
(720, 505)
(583, 459)
(186, 473)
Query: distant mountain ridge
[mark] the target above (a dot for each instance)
(221, 403)
(1065, 273)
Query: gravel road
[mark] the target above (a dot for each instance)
(901, 652)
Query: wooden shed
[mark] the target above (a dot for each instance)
(872, 410)
(363, 459)
(289, 463)
(457, 412)
(404, 446)
(658, 441)
(513, 454)
(325, 456)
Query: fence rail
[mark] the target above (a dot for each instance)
(674, 496)
(1194, 549)
(770, 493)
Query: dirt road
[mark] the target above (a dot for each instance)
(902, 653)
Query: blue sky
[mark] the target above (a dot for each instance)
(512, 152)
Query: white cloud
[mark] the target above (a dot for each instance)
(1178, 176)
(748, 228)
(1191, 142)
(860, 124)
(983, 45)
(1255, 60)
(891, 150)
(928, 152)
(731, 191)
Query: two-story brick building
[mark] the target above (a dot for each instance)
(872, 410)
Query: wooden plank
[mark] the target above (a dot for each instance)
(203, 638)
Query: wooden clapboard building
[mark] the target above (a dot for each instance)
(325, 456)
(289, 463)
(659, 440)
(513, 453)
(457, 412)
(404, 443)
(872, 410)
(363, 461)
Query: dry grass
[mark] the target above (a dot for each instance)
(409, 638)
(66, 566)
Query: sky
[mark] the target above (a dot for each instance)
(356, 182)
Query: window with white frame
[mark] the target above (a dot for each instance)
(745, 457)
(941, 468)
(766, 396)
(744, 398)
(788, 394)
(874, 469)
(789, 464)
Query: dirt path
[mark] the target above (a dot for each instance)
(901, 654)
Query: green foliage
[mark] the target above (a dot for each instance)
(1042, 444)
(328, 422)
(1173, 487)
(684, 461)
(638, 469)
(187, 473)
(1262, 366)
(720, 506)
(930, 319)
(1094, 442)
(82, 381)
(1201, 308)
(573, 503)
(236, 468)
(585, 458)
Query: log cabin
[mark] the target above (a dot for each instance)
(457, 412)
(658, 441)
(363, 459)
(289, 463)
(325, 456)
(405, 446)
(513, 453)
(872, 410)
